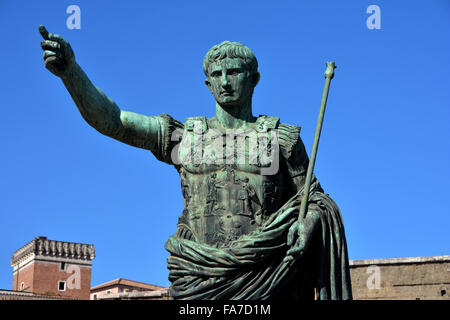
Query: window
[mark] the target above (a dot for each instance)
(22, 286)
(61, 286)
(95, 297)
(62, 267)
(108, 291)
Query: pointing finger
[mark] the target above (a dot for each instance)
(50, 36)
(43, 32)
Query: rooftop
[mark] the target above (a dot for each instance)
(126, 282)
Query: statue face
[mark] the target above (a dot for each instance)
(230, 82)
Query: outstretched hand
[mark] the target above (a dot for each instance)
(58, 55)
(300, 234)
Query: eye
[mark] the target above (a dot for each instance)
(234, 72)
(216, 74)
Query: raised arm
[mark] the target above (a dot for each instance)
(97, 108)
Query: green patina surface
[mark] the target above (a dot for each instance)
(240, 235)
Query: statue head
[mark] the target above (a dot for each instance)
(231, 71)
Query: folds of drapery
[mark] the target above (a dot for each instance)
(253, 267)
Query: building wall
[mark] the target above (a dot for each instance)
(111, 290)
(24, 275)
(47, 276)
(396, 279)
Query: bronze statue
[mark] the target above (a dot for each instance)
(240, 235)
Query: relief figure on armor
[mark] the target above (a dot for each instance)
(246, 195)
(240, 235)
(212, 195)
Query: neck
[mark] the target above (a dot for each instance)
(236, 116)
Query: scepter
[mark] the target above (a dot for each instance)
(329, 74)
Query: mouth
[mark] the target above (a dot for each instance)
(226, 93)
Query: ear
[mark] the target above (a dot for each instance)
(255, 78)
(208, 84)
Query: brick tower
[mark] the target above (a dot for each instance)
(53, 268)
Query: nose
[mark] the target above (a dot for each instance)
(224, 79)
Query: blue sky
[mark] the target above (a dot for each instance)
(384, 152)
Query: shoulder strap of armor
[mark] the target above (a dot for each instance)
(196, 124)
(264, 123)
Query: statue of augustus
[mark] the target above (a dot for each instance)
(242, 177)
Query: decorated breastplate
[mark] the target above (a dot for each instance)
(231, 182)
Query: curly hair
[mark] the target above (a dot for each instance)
(230, 50)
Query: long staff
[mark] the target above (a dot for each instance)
(329, 74)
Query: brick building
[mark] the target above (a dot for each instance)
(53, 268)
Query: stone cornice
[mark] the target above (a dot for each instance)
(41, 246)
(392, 261)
